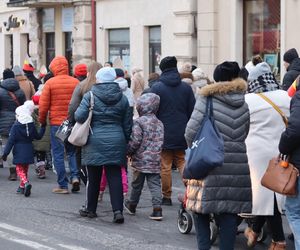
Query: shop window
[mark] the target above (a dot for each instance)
(262, 31)
(68, 50)
(154, 48)
(50, 47)
(119, 46)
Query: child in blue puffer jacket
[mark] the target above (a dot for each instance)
(21, 135)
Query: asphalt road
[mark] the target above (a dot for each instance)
(49, 221)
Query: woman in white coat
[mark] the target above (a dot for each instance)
(266, 126)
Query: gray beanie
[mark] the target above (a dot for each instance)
(258, 70)
(17, 70)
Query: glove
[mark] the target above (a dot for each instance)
(4, 157)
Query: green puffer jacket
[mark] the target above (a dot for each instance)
(111, 125)
(44, 143)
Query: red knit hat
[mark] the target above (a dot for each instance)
(80, 70)
(28, 67)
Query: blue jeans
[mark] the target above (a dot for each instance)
(227, 224)
(58, 152)
(292, 206)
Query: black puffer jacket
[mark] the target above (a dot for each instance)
(177, 102)
(227, 189)
(290, 139)
(292, 72)
(36, 82)
(8, 105)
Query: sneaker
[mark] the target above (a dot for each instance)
(41, 172)
(20, 190)
(75, 185)
(156, 214)
(251, 237)
(85, 213)
(27, 189)
(118, 217)
(166, 201)
(130, 208)
(60, 190)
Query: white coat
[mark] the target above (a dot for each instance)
(266, 126)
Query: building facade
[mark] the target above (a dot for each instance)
(141, 32)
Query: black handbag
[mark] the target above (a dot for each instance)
(207, 150)
(64, 131)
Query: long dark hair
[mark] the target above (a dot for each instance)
(91, 77)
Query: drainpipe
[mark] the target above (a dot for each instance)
(93, 6)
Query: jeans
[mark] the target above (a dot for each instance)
(153, 181)
(227, 224)
(113, 175)
(168, 157)
(58, 153)
(292, 206)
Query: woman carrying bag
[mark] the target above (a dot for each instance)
(226, 190)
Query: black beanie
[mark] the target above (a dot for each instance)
(8, 73)
(226, 71)
(119, 72)
(290, 55)
(167, 63)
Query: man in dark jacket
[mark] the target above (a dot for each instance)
(11, 96)
(28, 70)
(292, 65)
(176, 106)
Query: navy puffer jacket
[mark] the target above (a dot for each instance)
(177, 102)
(8, 105)
(111, 125)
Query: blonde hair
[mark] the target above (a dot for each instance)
(92, 69)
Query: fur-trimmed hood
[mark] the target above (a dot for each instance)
(232, 92)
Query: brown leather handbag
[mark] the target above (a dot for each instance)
(281, 176)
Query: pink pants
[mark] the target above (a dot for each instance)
(22, 172)
(124, 180)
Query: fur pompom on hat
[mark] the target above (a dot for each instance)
(168, 63)
(80, 70)
(8, 73)
(226, 71)
(106, 74)
(290, 55)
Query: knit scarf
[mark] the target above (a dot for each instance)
(263, 83)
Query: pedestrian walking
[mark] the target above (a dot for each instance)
(111, 125)
(54, 100)
(266, 126)
(80, 71)
(176, 106)
(226, 190)
(28, 70)
(291, 62)
(289, 145)
(24, 83)
(11, 97)
(22, 133)
(144, 148)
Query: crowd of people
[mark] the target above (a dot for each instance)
(149, 127)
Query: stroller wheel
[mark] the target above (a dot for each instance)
(263, 234)
(184, 222)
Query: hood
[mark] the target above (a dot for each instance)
(10, 84)
(295, 65)
(148, 104)
(232, 93)
(170, 77)
(108, 92)
(123, 84)
(59, 66)
(258, 70)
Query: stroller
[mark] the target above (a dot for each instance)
(185, 222)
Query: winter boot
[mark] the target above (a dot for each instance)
(12, 174)
(130, 208)
(156, 214)
(40, 170)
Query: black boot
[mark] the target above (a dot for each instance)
(12, 174)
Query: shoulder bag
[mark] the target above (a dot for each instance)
(207, 151)
(80, 132)
(281, 176)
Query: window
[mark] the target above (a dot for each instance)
(50, 47)
(119, 46)
(68, 49)
(262, 31)
(154, 48)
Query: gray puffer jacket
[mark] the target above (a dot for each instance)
(227, 189)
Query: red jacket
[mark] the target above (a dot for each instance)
(57, 93)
